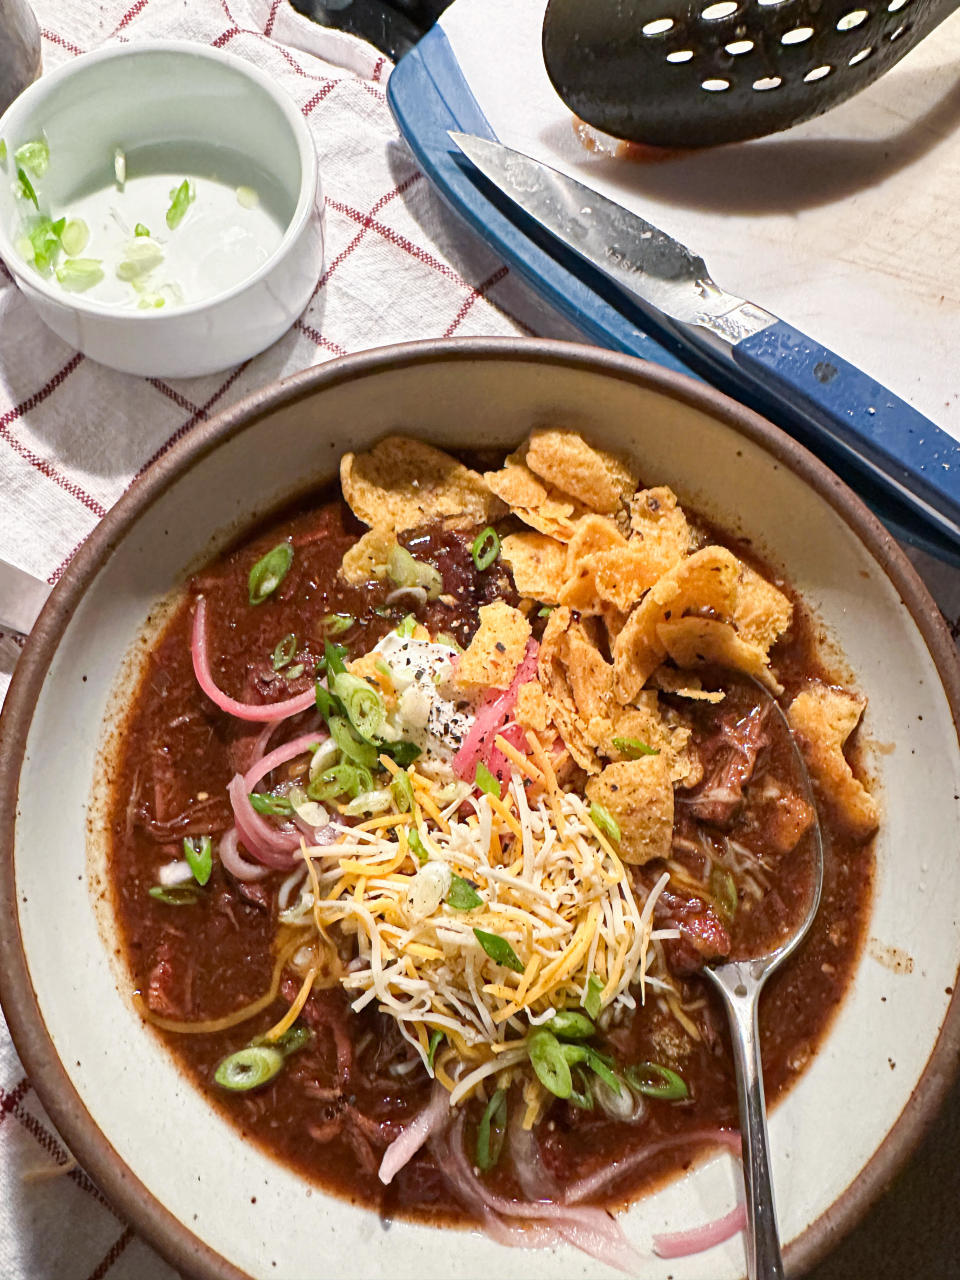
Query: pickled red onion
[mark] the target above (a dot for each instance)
(680, 1244)
(492, 713)
(242, 710)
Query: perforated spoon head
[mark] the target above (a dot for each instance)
(695, 73)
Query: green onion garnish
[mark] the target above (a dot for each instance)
(176, 895)
(44, 236)
(633, 748)
(499, 950)
(462, 895)
(333, 658)
(361, 702)
(444, 637)
(407, 626)
(435, 1037)
(550, 1063)
(249, 1068)
(401, 789)
(654, 1081)
(568, 1024)
(199, 856)
(491, 1132)
(405, 571)
(545, 611)
(292, 1040)
(26, 188)
(141, 230)
(402, 751)
(416, 844)
(283, 653)
(486, 781)
(581, 1095)
(141, 255)
(180, 199)
(591, 1001)
(336, 623)
(294, 672)
(723, 888)
(602, 1067)
(340, 779)
(75, 237)
(3, 151)
(34, 156)
(351, 744)
(269, 571)
(271, 806)
(486, 548)
(78, 274)
(605, 822)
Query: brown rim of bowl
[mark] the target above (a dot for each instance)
(56, 1091)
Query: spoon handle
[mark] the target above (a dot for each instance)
(764, 1260)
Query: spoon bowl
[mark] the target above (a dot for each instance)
(739, 982)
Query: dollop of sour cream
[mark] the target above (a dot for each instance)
(431, 711)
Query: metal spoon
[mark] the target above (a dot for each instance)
(22, 596)
(739, 983)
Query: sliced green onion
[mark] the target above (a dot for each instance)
(269, 571)
(340, 779)
(199, 856)
(602, 1067)
(283, 653)
(591, 1001)
(120, 166)
(291, 1041)
(75, 237)
(141, 230)
(384, 669)
(180, 200)
(328, 704)
(550, 1063)
(151, 302)
(44, 235)
(654, 1081)
(499, 950)
(176, 895)
(486, 548)
(633, 748)
(294, 672)
(333, 658)
(405, 571)
(249, 1068)
(77, 274)
(581, 1095)
(402, 790)
(305, 808)
(545, 611)
(351, 744)
(34, 156)
(336, 623)
(407, 626)
(374, 801)
(723, 888)
(361, 702)
(402, 751)
(416, 844)
(491, 1132)
(605, 822)
(140, 256)
(3, 151)
(435, 1037)
(271, 806)
(462, 895)
(444, 637)
(568, 1024)
(247, 198)
(26, 188)
(486, 781)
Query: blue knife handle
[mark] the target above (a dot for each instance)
(905, 452)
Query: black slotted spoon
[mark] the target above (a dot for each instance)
(694, 73)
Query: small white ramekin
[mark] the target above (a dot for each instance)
(161, 92)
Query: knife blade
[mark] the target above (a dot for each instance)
(816, 391)
(22, 596)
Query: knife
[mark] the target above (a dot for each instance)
(22, 596)
(817, 391)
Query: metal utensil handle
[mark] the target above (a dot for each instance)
(764, 1260)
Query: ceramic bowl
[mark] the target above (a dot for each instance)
(205, 107)
(181, 1174)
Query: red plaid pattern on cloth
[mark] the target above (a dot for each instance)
(74, 435)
